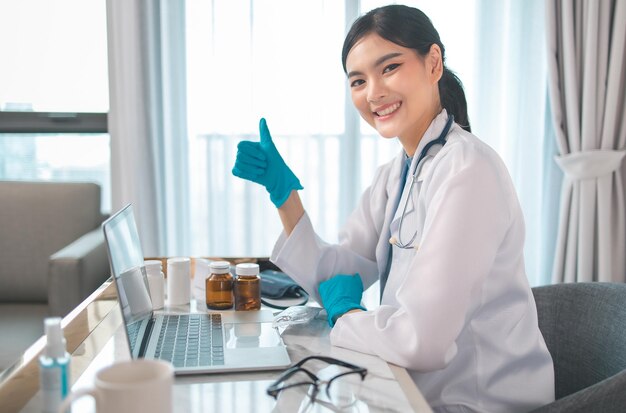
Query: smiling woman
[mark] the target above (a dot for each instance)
(456, 308)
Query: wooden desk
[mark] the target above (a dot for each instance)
(95, 339)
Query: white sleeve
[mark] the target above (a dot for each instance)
(467, 217)
(309, 260)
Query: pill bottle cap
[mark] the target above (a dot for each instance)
(247, 269)
(220, 267)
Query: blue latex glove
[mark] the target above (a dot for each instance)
(260, 162)
(341, 294)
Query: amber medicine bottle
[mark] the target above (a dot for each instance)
(247, 287)
(219, 286)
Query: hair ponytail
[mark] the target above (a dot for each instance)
(411, 28)
(452, 98)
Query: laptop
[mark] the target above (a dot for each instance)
(205, 342)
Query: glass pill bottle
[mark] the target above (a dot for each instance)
(247, 287)
(219, 286)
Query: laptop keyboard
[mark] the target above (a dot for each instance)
(191, 340)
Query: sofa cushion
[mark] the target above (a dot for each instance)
(36, 220)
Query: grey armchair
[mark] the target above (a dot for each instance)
(584, 325)
(52, 256)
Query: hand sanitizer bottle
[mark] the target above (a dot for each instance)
(54, 367)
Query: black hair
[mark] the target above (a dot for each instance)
(411, 28)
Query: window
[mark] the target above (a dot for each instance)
(54, 92)
(251, 59)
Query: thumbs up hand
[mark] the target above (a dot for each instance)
(261, 162)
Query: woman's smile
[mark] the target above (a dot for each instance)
(385, 112)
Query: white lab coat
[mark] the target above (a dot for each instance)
(457, 312)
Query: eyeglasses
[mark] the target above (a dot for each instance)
(341, 380)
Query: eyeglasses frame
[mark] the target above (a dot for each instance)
(274, 389)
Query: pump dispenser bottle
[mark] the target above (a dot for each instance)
(54, 366)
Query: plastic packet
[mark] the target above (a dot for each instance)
(297, 314)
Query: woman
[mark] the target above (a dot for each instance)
(444, 234)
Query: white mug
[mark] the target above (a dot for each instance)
(131, 386)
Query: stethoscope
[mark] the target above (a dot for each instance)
(441, 140)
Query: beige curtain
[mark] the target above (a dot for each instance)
(147, 120)
(586, 63)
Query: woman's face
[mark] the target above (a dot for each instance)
(393, 88)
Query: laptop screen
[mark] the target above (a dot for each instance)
(127, 266)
